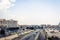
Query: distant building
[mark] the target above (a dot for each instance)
(23, 26)
(3, 23)
(8, 23)
(59, 24)
(11, 23)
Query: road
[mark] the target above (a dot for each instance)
(41, 36)
(22, 34)
(35, 35)
(31, 36)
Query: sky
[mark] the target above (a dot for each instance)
(30, 12)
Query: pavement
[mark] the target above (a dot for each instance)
(9, 37)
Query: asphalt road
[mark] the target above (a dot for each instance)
(41, 36)
(22, 34)
(31, 36)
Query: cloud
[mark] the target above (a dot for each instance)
(6, 4)
(13, 0)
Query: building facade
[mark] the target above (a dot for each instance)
(11, 23)
(3, 23)
(59, 24)
(8, 23)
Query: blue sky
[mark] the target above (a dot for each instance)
(34, 12)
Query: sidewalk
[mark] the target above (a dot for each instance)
(9, 37)
(15, 35)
